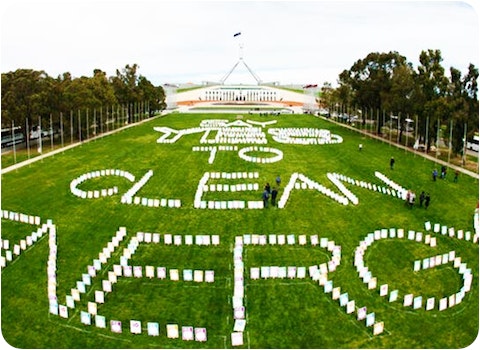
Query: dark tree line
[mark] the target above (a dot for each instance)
(387, 83)
(34, 96)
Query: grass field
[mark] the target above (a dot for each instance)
(288, 313)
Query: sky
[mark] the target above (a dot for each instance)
(178, 42)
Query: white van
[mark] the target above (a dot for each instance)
(473, 143)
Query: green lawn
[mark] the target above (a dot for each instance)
(290, 313)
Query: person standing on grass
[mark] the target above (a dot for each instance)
(411, 201)
(392, 163)
(434, 174)
(455, 179)
(407, 198)
(278, 180)
(422, 198)
(265, 196)
(443, 174)
(267, 188)
(427, 200)
(274, 195)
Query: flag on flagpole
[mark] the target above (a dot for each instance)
(237, 34)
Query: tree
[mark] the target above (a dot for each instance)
(432, 85)
(125, 87)
(153, 96)
(370, 80)
(463, 102)
(401, 94)
(23, 95)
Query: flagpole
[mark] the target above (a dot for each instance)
(450, 142)
(390, 131)
(40, 134)
(14, 146)
(51, 133)
(416, 133)
(465, 144)
(398, 129)
(383, 123)
(71, 126)
(61, 128)
(101, 120)
(95, 122)
(88, 127)
(406, 134)
(27, 135)
(79, 127)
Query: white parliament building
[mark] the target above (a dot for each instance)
(255, 96)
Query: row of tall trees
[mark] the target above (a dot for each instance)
(29, 94)
(388, 82)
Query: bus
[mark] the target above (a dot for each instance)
(473, 143)
(12, 137)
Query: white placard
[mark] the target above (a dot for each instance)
(85, 318)
(383, 290)
(408, 300)
(137, 271)
(128, 271)
(107, 286)
(70, 302)
(350, 306)
(161, 272)
(198, 276)
(291, 239)
(149, 271)
(63, 311)
(430, 304)
(239, 325)
(153, 329)
(187, 333)
(370, 320)
(442, 304)
(116, 326)
(302, 239)
(172, 330)
(393, 296)
(272, 239)
(92, 308)
(265, 271)
(361, 313)
(291, 271)
(200, 334)
(378, 328)
(135, 327)
(174, 275)
(237, 338)
(301, 272)
(417, 302)
(187, 275)
(177, 240)
(209, 276)
(239, 312)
